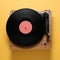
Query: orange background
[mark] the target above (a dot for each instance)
(7, 54)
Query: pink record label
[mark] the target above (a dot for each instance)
(25, 27)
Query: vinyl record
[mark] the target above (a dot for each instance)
(25, 27)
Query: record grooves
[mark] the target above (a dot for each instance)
(37, 27)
